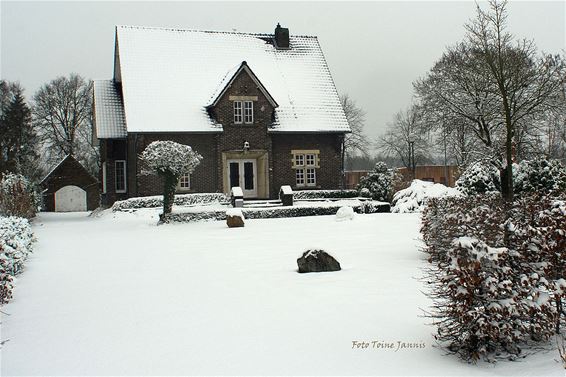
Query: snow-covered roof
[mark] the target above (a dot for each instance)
(169, 76)
(109, 111)
(229, 79)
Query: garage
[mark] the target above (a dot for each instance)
(70, 199)
(69, 187)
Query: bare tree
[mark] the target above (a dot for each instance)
(525, 84)
(355, 141)
(62, 115)
(406, 129)
(496, 87)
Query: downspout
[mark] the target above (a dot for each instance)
(342, 157)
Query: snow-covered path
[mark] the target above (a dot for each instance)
(118, 295)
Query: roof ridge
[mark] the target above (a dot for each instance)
(208, 31)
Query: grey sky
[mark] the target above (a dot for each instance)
(374, 49)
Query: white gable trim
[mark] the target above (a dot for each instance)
(244, 67)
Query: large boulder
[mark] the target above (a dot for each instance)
(317, 261)
(234, 218)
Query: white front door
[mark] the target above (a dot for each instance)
(70, 199)
(243, 173)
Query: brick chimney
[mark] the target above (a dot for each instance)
(281, 37)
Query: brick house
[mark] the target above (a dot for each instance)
(261, 109)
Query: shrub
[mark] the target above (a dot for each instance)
(325, 208)
(378, 184)
(539, 176)
(529, 176)
(479, 178)
(16, 242)
(17, 196)
(414, 198)
(170, 160)
(324, 194)
(497, 272)
(180, 200)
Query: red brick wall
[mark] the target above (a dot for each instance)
(234, 135)
(328, 176)
(203, 178)
(208, 175)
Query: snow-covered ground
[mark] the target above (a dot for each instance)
(119, 295)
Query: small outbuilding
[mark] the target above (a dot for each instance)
(69, 187)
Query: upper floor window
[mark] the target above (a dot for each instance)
(248, 112)
(238, 112)
(243, 112)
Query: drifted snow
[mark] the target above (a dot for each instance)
(199, 299)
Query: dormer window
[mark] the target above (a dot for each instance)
(243, 112)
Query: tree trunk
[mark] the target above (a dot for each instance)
(507, 184)
(169, 189)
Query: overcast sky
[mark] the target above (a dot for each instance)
(374, 49)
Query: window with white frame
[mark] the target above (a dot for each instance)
(311, 177)
(184, 182)
(300, 177)
(120, 176)
(305, 163)
(248, 112)
(299, 160)
(238, 112)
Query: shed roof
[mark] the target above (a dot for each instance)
(169, 76)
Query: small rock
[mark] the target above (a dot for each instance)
(317, 261)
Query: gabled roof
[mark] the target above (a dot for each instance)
(109, 111)
(170, 76)
(71, 161)
(229, 79)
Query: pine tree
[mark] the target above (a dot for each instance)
(18, 141)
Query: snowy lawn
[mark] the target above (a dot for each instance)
(119, 295)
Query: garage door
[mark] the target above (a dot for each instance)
(70, 199)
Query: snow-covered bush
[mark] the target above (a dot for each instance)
(16, 242)
(479, 178)
(345, 213)
(378, 184)
(314, 209)
(529, 176)
(540, 176)
(323, 194)
(180, 200)
(497, 273)
(17, 196)
(414, 198)
(170, 160)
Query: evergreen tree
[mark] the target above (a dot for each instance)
(18, 141)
